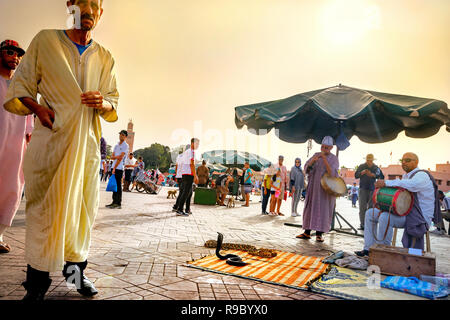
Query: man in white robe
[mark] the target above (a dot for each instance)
(75, 77)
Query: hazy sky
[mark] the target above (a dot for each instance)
(183, 66)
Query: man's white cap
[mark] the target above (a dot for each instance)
(328, 141)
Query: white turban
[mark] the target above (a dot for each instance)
(328, 141)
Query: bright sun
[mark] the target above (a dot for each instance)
(346, 21)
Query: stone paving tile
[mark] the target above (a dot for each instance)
(156, 297)
(182, 295)
(109, 293)
(182, 286)
(110, 282)
(251, 297)
(6, 289)
(141, 251)
(272, 297)
(160, 281)
(128, 296)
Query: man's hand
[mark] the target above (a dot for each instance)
(28, 138)
(380, 184)
(315, 158)
(195, 179)
(114, 171)
(293, 190)
(46, 116)
(92, 99)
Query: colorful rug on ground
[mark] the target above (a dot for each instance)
(287, 269)
(353, 285)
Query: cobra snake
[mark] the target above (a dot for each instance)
(252, 250)
(232, 259)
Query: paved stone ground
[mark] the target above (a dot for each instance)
(139, 252)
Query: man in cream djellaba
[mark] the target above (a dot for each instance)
(75, 78)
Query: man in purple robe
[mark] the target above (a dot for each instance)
(319, 205)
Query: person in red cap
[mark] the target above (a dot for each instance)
(15, 133)
(75, 78)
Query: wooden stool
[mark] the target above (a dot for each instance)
(427, 236)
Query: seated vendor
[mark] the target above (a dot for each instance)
(222, 187)
(417, 222)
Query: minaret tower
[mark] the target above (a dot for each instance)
(130, 138)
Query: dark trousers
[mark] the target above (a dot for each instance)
(128, 175)
(180, 189)
(186, 192)
(265, 199)
(117, 196)
(354, 199)
(127, 180)
(365, 202)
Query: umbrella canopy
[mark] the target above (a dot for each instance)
(374, 117)
(236, 158)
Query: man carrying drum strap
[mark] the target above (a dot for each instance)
(417, 222)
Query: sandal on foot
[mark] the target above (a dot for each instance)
(303, 236)
(4, 248)
(319, 239)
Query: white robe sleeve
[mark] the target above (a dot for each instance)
(108, 88)
(420, 182)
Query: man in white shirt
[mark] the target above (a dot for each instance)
(119, 154)
(420, 183)
(178, 177)
(130, 164)
(189, 176)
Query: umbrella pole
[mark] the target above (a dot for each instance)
(337, 216)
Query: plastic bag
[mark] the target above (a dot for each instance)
(112, 184)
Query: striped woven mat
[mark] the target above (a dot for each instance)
(287, 269)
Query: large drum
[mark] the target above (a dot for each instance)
(395, 200)
(334, 186)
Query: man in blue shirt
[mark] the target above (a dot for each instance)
(368, 173)
(354, 194)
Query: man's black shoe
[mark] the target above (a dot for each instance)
(188, 212)
(36, 292)
(109, 205)
(36, 284)
(84, 286)
(87, 288)
(362, 253)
